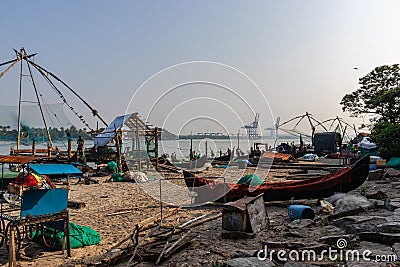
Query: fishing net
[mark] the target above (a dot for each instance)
(31, 116)
(80, 236)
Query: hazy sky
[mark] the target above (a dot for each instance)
(301, 54)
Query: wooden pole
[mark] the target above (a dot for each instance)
(69, 148)
(238, 140)
(49, 148)
(206, 149)
(19, 104)
(156, 146)
(33, 147)
(161, 204)
(12, 254)
(39, 103)
(67, 233)
(138, 149)
(191, 149)
(118, 139)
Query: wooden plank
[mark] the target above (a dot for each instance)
(257, 214)
(120, 212)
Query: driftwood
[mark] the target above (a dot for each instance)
(165, 247)
(117, 254)
(171, 245)
(192, 220)
(211, 218)
(176, 245)
(153, 221)
(120, 212)
(114, 255)
(76, 204)
(151, 241)
(136, 245)
(182, 229)
(126, 210)
(163, 235)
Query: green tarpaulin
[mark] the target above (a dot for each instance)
(80, 236)
(117, 177)
(251, 180)
(393, 163)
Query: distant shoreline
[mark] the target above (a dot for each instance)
(219, 137)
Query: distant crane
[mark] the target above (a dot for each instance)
(252, 128)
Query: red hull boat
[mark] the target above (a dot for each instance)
(343, 180)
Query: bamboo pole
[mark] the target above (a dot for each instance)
(11, 247)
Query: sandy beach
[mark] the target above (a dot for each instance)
(114, 208)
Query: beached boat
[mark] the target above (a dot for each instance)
(343, 180)
(226, 157)
(189, 165)
(193, 164)
(222, 160)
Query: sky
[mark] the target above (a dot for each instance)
(201, 66)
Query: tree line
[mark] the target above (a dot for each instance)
(32, 133)
(379, 97)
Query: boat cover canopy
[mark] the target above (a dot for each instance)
(108, 133)
(55, 169)
(16, 159)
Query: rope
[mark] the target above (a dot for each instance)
(58, 92)
(47, 108)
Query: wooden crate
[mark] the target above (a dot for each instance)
(245, 215)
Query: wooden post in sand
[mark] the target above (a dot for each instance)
(118, 143)
(67, 234)
(33, 147)
(49, 148)
(12, 257)
(69, 148)
(156, 146)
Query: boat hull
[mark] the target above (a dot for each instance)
(343, 180)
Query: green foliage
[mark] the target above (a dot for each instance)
(387, 136)
(378, 95)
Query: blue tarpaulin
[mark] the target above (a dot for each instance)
(44, 202)
(108, 134)
(55, 169)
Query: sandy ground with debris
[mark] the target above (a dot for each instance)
(114, 208)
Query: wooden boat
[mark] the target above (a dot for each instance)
(193, 164)
(226, 157)
(343, 180)
(222, 160)
(190, 165)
